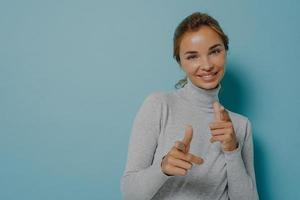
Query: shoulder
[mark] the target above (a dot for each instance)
(241, 123)
(162, 98)
(239, 118)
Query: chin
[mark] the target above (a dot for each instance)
(208, 86)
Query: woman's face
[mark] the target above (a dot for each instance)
(203, 57)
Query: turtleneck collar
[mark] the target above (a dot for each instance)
(199, 97)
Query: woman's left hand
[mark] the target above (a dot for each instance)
(222, 129)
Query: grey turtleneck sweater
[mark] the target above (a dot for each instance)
(160, 121)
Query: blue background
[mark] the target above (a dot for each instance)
(74, 73)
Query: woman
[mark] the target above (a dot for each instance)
(185, 144)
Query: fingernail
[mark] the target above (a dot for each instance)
(181, 146)
(200, 161)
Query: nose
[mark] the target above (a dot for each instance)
(206, 64)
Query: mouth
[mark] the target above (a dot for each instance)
(208, 77)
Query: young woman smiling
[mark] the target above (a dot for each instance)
(185, 144)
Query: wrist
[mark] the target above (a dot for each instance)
(231, 147)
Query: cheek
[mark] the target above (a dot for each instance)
(219, 61)
(188, 66)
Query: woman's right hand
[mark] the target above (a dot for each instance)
(178, 160)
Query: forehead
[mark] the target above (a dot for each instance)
(201, 39)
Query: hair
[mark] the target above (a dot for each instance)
(193, 23)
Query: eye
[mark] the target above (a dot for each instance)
(216, 51)
(191, 57)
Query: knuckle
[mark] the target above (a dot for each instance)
(176, 145)
(172, 149)
(169, 159)
(184, 172)
(230, 139)
(189, 157)
(229, 136)
(227, 132)
(168, 167)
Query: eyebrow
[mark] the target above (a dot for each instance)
(191, 52)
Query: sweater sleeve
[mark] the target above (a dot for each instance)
(240, 169)
(142, 178)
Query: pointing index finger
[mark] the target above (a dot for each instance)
(221, 113)
(218, 116)
(188, 136)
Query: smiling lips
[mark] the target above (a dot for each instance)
(208, 77)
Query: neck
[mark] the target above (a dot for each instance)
(199, 97)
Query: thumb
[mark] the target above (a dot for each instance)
(188, 136)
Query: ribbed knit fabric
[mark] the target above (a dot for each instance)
(159, 123)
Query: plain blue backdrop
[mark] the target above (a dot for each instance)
(74, 73)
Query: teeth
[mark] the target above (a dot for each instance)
(207, 77)
(210, 75)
